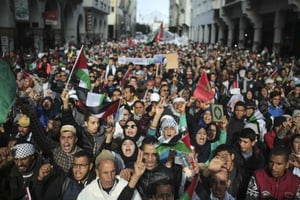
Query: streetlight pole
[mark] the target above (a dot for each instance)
(62, 21)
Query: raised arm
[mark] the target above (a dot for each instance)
(38, 132)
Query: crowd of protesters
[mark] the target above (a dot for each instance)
(52, 147)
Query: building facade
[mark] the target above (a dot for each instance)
(180, 17)
(46, 24)
(122, 19)
(254, 24)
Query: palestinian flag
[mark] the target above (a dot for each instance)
(7, 89)
(81, 71)
(154, 37)
(104, 110)
(190, 192)
(94, 103)
(176, 143)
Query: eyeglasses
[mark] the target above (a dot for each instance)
(77, 165)
(130, 126)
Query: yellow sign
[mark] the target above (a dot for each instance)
(172, 61)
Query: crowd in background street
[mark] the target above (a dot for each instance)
(53, 147)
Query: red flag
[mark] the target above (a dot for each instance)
(161, 33)
(131, 42)
(156, 38)
(187, 140)
(203, 90)
(235, 84)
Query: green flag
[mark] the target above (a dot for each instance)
(7, 90)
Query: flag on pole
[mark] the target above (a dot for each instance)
(81, 71)
(7, 89)
(190, 191)
(154, 37)
(203, 90)
(161, 32)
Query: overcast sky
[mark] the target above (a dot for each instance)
(148, 9)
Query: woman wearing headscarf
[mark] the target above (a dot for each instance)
(128, 152)
(205, 118)
(131, 129)
(204, 146)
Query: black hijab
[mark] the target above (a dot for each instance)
(129, 161)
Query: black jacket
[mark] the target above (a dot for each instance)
(149, 179)
(87, 141)
(13, 184)
(256, 161)
(60, 185)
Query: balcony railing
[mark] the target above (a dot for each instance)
(97, 4)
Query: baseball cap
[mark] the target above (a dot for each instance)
(24, 121)
(66, 128)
